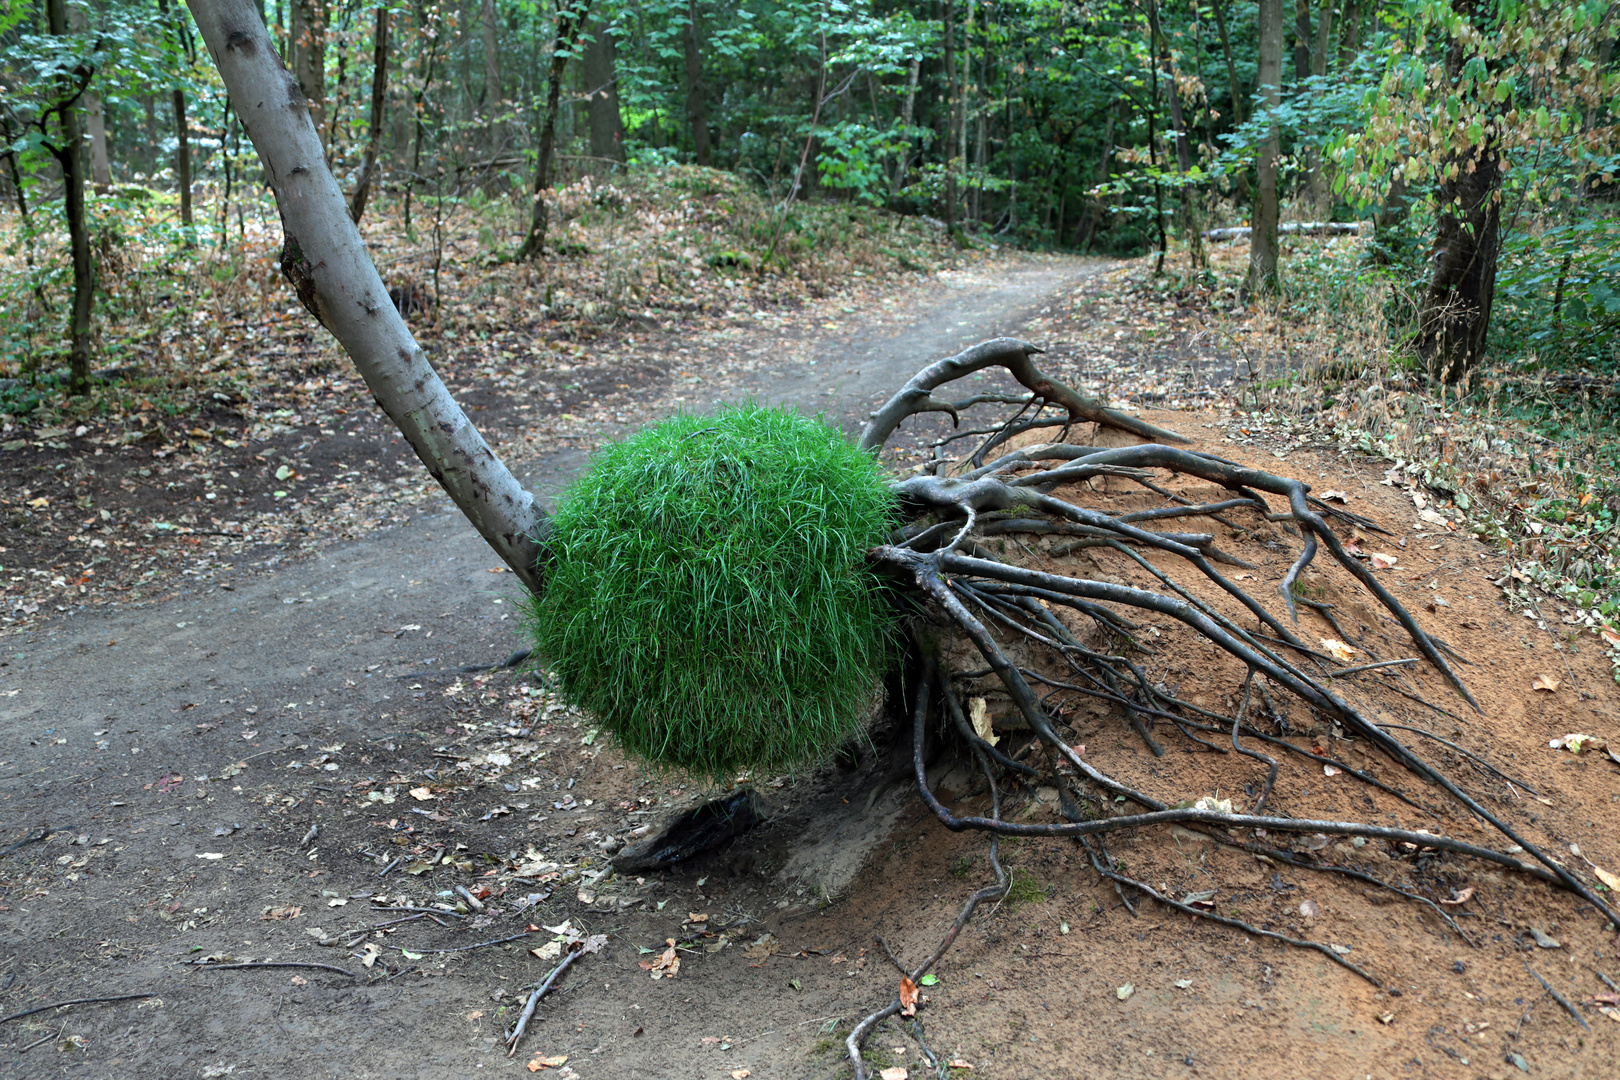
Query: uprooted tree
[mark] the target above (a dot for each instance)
(974, 617)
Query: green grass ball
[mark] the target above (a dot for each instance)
(707, 595)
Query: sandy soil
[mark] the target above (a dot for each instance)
(186, 748)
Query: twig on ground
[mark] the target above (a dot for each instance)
(1560, 998)
(578, 949)
(43, 833)
(74, 1001)
(202, 966)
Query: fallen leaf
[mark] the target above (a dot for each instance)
(960, 1063)
(980, 714)
(282, 913)
(1577, 743)
(1387, 1019)
(1381, 561)
(1310, 909)
(1335, 496)
(421, 794)
(1611, 880)
(928, 980)
(1544, 682)
(210, 855)
(1212, 805)
(555, 1062)
(1611, 1012)
(1606, 999)
(1610, 636)
(1463, 896)
(908, 996)
(896, 1073)
(696, 917)
(740, 1074)
(299, 980)
(371, 954)
(1337, 649)
(1183, 984)
(1329, 770)
(1125, 991)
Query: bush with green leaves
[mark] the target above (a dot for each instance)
(707, 596)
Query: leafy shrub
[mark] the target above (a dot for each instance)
(706, 596)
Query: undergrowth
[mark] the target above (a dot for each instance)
(1527, 457)
(707, 596)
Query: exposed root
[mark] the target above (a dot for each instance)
(1080, 638)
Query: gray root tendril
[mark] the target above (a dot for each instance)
(1003, 610)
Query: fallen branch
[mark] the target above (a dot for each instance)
(576, 949)
(73, 1001)
(204, 966)
(1289, 228)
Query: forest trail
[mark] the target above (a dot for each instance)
(251, 770)
(127, 726)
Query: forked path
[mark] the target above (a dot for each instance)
(124, 727)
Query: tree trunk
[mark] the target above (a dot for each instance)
(1238, 97)
(326, 261)
(95, 118)
(1349, 35)
(568, 27)
(907, 111)
(1302, 39)
(697, 106)
(1319, 192)
(69, 154)
(379, 102)
(952, 105)
(182, 155)
(1456, 309)
(1262, 279)
(492, 56)
(602, 92)
(308, 52)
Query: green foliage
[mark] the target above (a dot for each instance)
(707, 597)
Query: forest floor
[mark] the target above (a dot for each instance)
(238, 735)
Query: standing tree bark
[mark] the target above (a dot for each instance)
(326, 262)
(307, 58)
(697, 105)
(569, 21)
(182, 128)
(492, 56)
(602, 94)
(1302, 39)
(95, 119)
(69, 154)
(952, 105)
(1262, 279)
(1456, 309)
(379, 102)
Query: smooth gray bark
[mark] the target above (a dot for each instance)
(326, 262)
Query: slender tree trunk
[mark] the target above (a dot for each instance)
(1324, 39)
(326, 262)
(1302, 39)
(308, 58)
(182, 155)
(568, 27)
(95, 118)
(492, 56)
(1262, 279)
(952, 106)
(697, 107)
(602, 90)
(379, 103)
(1456, 311)
(1238, 96)
(69, 155)
(1349, 35)
(907, 112)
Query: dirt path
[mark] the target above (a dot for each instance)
(127, 726)
(187, 748)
